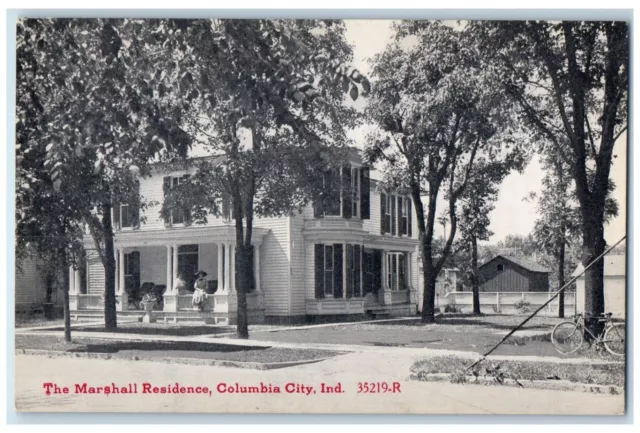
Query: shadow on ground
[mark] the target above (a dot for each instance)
(169, 330)
(487, 321)
(146, 346)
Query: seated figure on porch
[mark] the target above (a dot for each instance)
(200, 289)
(179, 286)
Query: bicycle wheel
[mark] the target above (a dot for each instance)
(614, 339)
(567, 337)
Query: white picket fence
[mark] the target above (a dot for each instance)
(508, 302)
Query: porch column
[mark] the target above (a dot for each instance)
(232, 268)
(121, 271)
(117, 276)
(345, 271)
(384, 270)
(220, 266)
(169, 271)
(76, 282)
(72, 284)
(227, 265)
(175, 263)
(256, 266)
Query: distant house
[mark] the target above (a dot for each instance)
(446, 283)
(505, 273)
(31, 286)
(614, 286)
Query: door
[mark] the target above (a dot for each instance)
(188, 264)
(371, 270)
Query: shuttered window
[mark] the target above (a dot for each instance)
(386, 214)
(344, 194)
(365, 194)
(329, 263)
(354, 271)
(397, 271)
(404, 216)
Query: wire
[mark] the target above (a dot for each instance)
(562, 289)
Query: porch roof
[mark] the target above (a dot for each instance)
(181, 236)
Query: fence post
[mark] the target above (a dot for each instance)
(497, 302)
(549, 307)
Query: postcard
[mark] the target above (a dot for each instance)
(321, 216)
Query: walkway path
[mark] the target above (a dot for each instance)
(411, 353)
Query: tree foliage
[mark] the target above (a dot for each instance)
(267, 99)
(439, 118)
(570, 81)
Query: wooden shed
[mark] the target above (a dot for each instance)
(505, 273)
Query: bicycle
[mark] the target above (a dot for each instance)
(567, 337)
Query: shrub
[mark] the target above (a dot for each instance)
(452, 308)
(522, 305)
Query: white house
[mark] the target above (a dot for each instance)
(31, 286)
(614, 286)
(355, 255)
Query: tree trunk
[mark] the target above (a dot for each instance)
(429, 291)
(561, 254)
(110, 315)
(593, 246)
(65, 291)
(244, 283)
(475, 283)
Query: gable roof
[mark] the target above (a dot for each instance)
(614, 265)
(523, 263)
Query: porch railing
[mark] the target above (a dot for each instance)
(90, 302)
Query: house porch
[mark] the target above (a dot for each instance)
(154, 259)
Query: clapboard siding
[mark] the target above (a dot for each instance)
(298, 265)
(414, 270)
(29, 283)
(275, 265)
(512, 278)
(151, 191)
(309, 280)
(95, 273)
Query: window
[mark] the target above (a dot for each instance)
(126, 215)
(355, 193)
(328, 270)
(405, 204)
(354, 269)
(329, 267)
(386, 213)
(500, 268)
(177, 211)
(396, 271)
(344, 194)
(177, 215)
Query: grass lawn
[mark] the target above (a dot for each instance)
(167, 350)
(451, 332)
(28, 321)
(593, 374)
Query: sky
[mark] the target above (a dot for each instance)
(512, 215)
